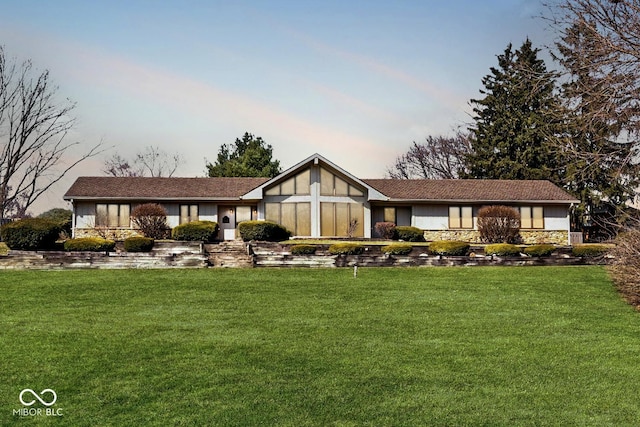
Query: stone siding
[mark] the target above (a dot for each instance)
(529, 237)
(107, 233)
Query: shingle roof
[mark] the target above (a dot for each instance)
(103, 187)
(470, 190)
(143, 188)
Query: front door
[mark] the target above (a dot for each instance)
(227, 222)
(230, 217)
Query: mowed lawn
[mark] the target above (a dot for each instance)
(315, 347)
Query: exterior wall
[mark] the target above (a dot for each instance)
(431, 217)
(529, 237)
(434, 220)
(85, 219)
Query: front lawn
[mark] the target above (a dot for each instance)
(317, 347)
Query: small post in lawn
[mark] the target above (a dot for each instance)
(355, 270)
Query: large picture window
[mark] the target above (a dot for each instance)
(295, 217)
(113, 215)
(461, 217)
(332, 185)
(532, 217)
(342, 219)
(299, 184)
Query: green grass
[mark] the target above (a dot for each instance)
(429, 346)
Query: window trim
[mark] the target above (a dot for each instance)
(532, 218)
(460, 225)
(120, 218)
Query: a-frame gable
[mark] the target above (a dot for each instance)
(315, 159)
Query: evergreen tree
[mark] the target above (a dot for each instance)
(249, 156)
(514, 120)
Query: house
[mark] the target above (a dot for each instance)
(317, 198)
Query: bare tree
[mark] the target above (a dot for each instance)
(152, 161)
(599, 51)
(438, 157)
(34, 153)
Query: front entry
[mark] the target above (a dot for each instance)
(229, 218)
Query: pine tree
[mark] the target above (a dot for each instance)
(514, 120)
(249, 156)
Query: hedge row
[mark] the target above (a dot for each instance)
(31, 234)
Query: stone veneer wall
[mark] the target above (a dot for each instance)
(107, 233)
(529, 237)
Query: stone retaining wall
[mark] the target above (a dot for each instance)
(241, 255)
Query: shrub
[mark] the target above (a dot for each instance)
(498, 224)
(89, 244)
(151, 220)
(31, 234)
(61, 216)
(303, 249)
(449, 248)
(138, 244)
(386, 230)
(539, 250)
(409, 234)
(346, 249)
(263, 230)
(589, 250)
(206, 231)
(397, 249)
(502, 249)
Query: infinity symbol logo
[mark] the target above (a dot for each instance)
(47, 390)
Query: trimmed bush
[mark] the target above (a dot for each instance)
(151, 220)
(386, 230)
(589, 250)
(502, 249)
(409, 234)
(138, 244)
(61, 216)
(303, 250)
(539, 250)
(263, 231)
(498, 224)
(397, 249)
(449, 248)
(31, 234)
(89, 244)
(204, 231)
(346, 249)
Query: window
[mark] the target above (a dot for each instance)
(332, 185)
(336, 219)
(532, 217)
(461, 217)
(299, 184)
(112, 215)
(188, 213)
(295, 217)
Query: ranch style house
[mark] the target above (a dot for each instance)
(316, 198)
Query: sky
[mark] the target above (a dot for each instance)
(356, 81)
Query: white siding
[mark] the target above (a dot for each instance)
(431, 217)
(208, 212)
(556, 218)
(85, 214)
(173, 214)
